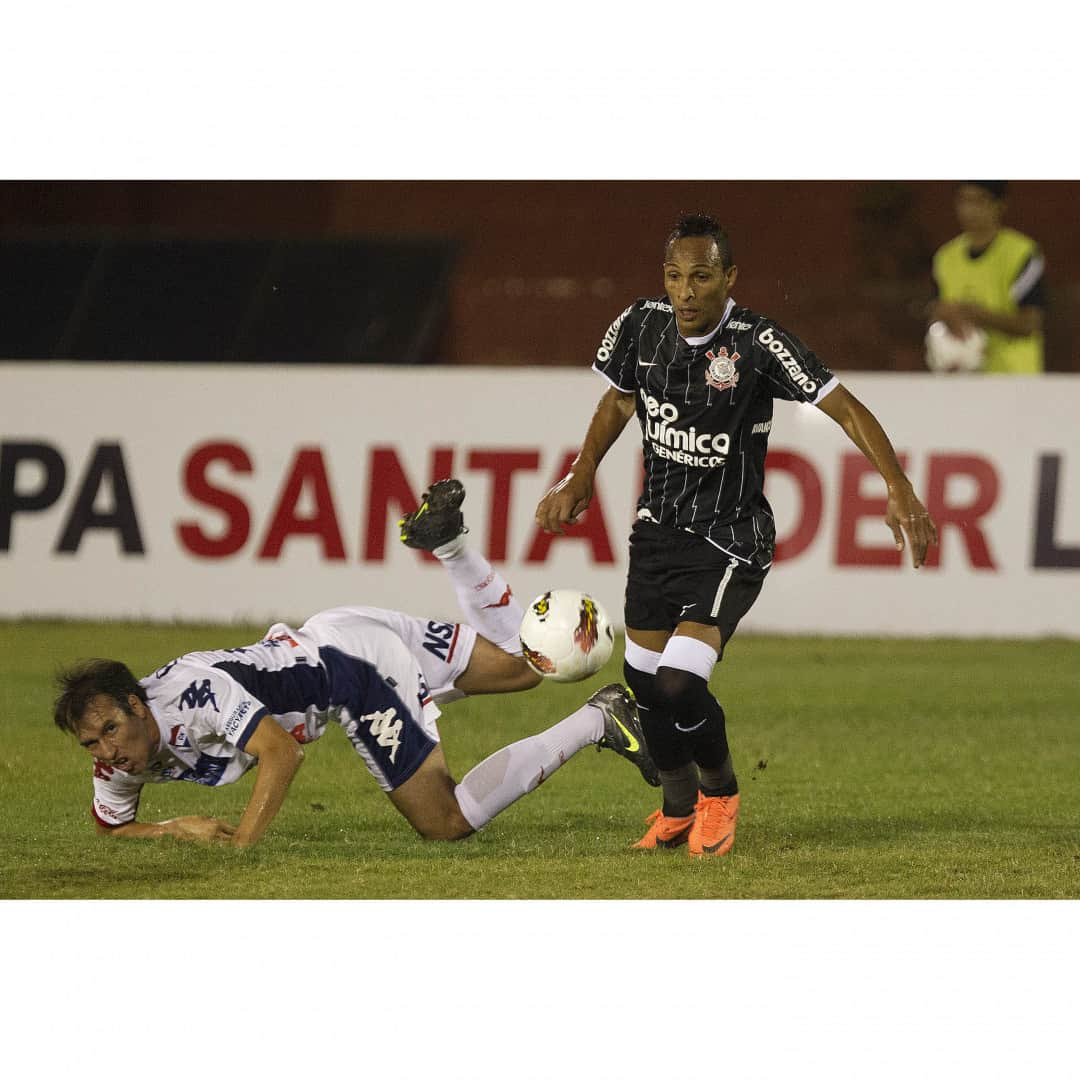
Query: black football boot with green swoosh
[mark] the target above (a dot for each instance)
(438, 518)
(622, 729)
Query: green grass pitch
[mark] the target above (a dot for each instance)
(869, 769)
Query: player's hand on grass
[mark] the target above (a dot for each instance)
(565, 502)
(907, 516)
(205, 830)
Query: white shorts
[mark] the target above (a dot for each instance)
(376, 687)
(442, 649)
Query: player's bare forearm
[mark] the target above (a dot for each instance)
(136, 830)
(906, 515)
(279, 757)
(861, 427)
(569, 498)
(205, 830)
(612, 414)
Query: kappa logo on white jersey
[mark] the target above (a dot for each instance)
(386, 727)
(198, 696)
(787, 361)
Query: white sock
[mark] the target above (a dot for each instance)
(490, 787)
(483, 594)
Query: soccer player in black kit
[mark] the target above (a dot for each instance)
(702, 373)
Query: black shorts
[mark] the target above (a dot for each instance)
(677, 577)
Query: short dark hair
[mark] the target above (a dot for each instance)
(996, 188)
(81, 682)
(703, 225)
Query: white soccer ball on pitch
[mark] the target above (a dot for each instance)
(566, 635)
(947, 352)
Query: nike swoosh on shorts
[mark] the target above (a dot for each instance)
(687, 730)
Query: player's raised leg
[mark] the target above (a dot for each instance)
(491, 670)
(486, 599)
(453, 657)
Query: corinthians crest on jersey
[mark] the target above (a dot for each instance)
(721, 372)
(699, 401)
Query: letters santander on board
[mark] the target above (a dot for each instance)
(224, 494)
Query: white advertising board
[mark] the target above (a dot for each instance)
(227, 493)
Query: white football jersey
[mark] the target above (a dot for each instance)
(346, 665)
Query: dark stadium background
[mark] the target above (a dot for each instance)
(474, 272)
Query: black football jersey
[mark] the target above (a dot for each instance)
(705, 411)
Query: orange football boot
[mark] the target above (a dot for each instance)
(713, 830)
(664, 832)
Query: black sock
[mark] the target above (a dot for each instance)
(680, 790)
(719, 782)
(712, 754)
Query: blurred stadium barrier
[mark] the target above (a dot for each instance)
(225, 492)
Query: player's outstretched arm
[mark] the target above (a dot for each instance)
(569, 498)
(206, 830)
(279, 757)
(906, 515)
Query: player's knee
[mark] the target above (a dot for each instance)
(444, 821)
(525, 678)
(451, 826)
(670, 697)
(503, 672)
(678, 692)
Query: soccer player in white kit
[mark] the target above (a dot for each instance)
(208, 717)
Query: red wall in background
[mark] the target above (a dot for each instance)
(546, 265)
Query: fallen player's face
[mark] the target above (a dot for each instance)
(120, 739)
(696, 284)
